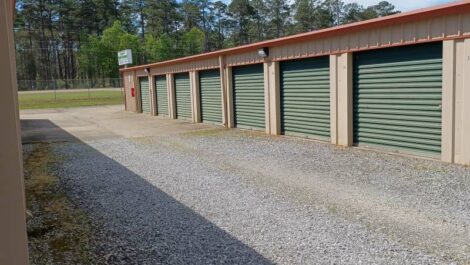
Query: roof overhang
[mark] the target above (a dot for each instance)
(437, 11)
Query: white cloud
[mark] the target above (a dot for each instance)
(403, 5)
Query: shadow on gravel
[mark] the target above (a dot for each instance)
(139, 223)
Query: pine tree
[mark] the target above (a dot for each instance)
(279, 14)
(303, 15)
(242, 11)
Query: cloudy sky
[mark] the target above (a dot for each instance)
(404, 5)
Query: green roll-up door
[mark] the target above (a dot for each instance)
(248, 89)
(144, 94)
(397, 98)
(162, 95)
(305, 97)
(211, 96)
(183, 96)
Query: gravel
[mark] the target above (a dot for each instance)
(235, 197)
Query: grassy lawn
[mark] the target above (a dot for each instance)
(69, 99)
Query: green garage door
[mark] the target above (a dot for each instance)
(183, 96)
(162, 95)
(144, 94)
(397, 98)
(305, 97)
(211, 96)
(248, 99)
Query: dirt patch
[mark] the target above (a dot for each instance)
(58, 233)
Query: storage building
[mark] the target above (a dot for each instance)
(399, 83)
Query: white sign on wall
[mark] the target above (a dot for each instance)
(125, 57)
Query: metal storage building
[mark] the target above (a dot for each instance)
(398, 83)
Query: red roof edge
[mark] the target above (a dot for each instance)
(441, 10)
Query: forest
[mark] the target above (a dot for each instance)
(75, 42)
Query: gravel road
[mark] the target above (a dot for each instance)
(236, 197)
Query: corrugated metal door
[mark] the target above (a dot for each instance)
(144, 94)
(248, 100)
(397, 98)
(211, 96)
(183, 96)
(162, 95)
(305, 97)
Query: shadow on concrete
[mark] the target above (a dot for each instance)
(139, 223)
(37, 131)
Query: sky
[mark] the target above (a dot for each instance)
(404, 5)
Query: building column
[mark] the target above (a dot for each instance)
(272, 97)
(138, 96)
(153, 97)
(195, 96)
(129, 84)
(341, 99)
(170, 82)
(267, 105)
(223, 87)
(13, 239)
(456, 102)
(229, 97)
(449, 79)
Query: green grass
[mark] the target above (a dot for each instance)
(69, 99)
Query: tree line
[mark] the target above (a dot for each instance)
(79, 39)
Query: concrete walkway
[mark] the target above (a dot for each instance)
(91, 123)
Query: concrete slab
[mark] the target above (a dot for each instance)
(92, 123)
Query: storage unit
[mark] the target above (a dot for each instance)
(144, 94)
(248, 96)
(305, 97)
(210, 96)
(183, 96)
(397, 83)
(397, 98)
(161, 91)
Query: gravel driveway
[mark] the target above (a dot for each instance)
(234, 197)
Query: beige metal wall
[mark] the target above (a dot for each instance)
(211, 63)
(341, 102)
(195, 96)
(434, 29)
(456, 102)
(129, 83)
(153, 97)
(250, 57)
(13, 239)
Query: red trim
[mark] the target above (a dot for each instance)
(442, 10)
